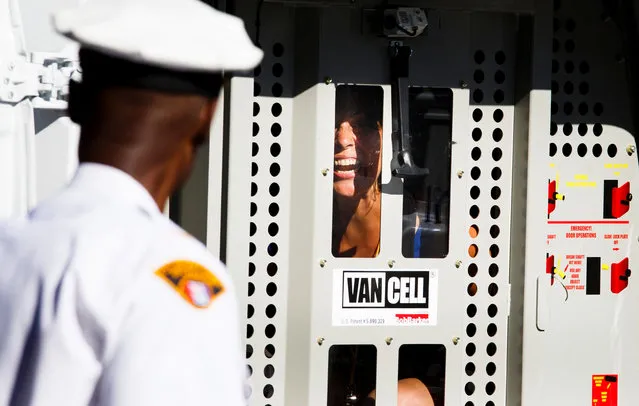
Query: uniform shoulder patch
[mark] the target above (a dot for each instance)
(196, 284)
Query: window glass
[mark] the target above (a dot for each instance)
(352, 373)
(427, 199)
(421, 375)
(357, 171)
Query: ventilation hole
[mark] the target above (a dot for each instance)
(597, 129)
(251, 288)
(257, 71)
(477, 115)
(276, 109)
(474, 192)
(476, 153)
(490, 402)
(274, 189)
(475, 173)
(554, 108)
(252, 249)
(566, 149)
(469, 388)
(278, 50)
(582, 129)
(556, 5)
(471, 330)
(597, 109)
(253, 188)
(252, 229)
(270, 311)
(569, 46)
(553, 128)
(497, 154)
(583, 109)
(249, 331)
(256, 129)
(478, 96)
(276, 149)
(568, 108)
(256, 109)
(470, 349)
(554, 86)
(472, 251)
(257, 89)
(584, 88)
(500, 77)
(478, 76)
(471, 310)
(492, 310)
(493, 289)
(491, 349)
(612, 150)
(271, 269)
(479, 57)
(491, 368)
(476, 134)
(495, 212)
(273, 209)
(567, 129)
(251, 270)
(250, 370)
(474, 211)
(255, 149)
(494, 250)
(276, 130)
(555, 45)
(496, 173)
(249, 351)
(269, 371)
(556, 24)
(490, 389)
(250, 311)
(597, 150)
(498, 115)
(500, 57)
(472, 270)
(569, 67)
(271, 289)
(569, 88)
(470, 369)
(570, 25)
(254, 169)
(582, 150)
(272, 249)
(273, 229)
(498, 134)
(494, 231)
(498, 96)
(495, 192)
(268, 391)
(278, 70)
(269, 331)
(584, 67)
(274, 169)
(269, 351)
(491, 330)
(277, 89)
(469, 403)
(473, 231)
(493, 270)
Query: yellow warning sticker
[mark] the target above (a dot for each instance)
(196, 284)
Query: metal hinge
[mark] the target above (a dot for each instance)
(42, 77)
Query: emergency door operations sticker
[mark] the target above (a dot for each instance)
(384, 298)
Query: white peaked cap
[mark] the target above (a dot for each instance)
(185, 35)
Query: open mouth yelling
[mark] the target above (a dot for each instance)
(346, 168)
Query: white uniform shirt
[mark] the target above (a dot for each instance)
(88, 315)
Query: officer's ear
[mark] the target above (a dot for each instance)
(77, 106)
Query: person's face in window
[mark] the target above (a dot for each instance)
(357, 157)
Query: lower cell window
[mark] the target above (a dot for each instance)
(352, 373)
(421, 374)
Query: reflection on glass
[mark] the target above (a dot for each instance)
(352, 372)
(357, 170)
(426, 200)
(422, 370)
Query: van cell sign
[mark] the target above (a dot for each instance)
(381, 297)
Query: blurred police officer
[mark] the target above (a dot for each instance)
(102, 299)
